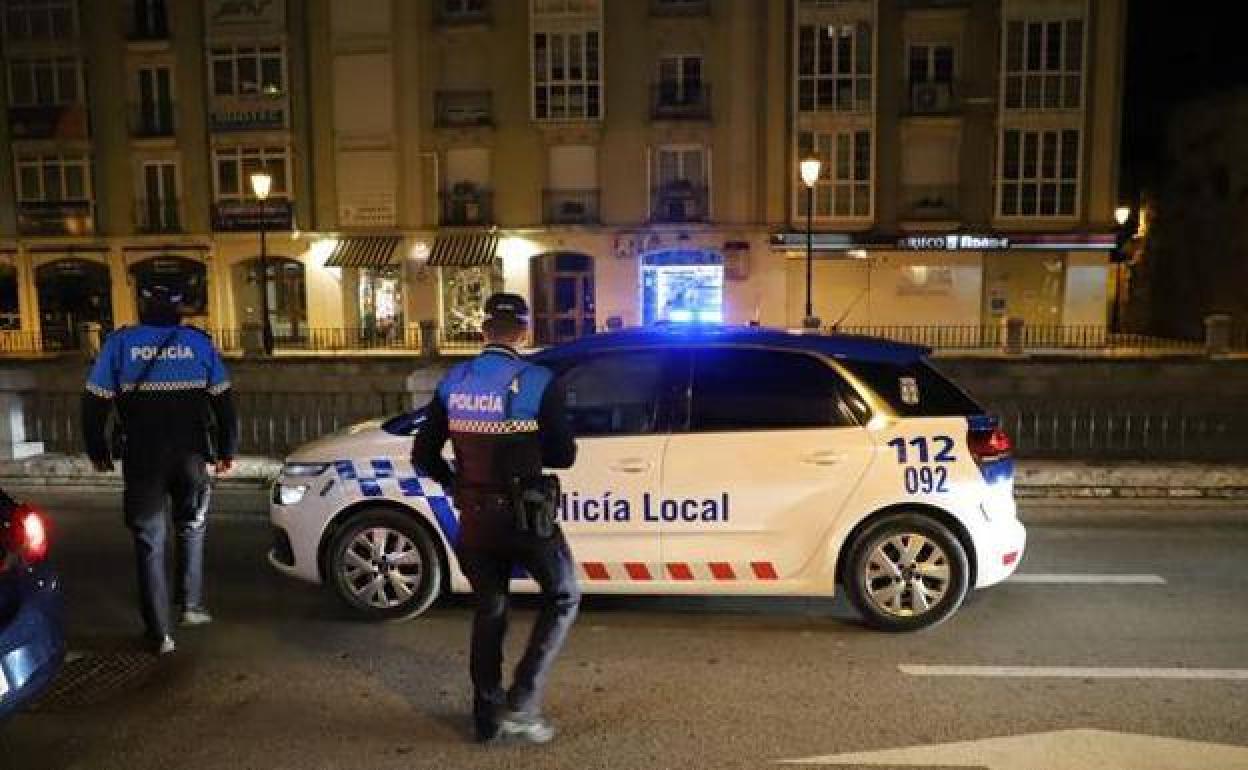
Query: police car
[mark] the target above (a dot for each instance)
(717, 460)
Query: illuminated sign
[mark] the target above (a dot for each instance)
(953, 242)
(248, 113)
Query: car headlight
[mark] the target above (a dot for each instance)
(289, 494)
(308, 470)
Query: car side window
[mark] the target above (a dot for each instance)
(615, 394)
(745, 389)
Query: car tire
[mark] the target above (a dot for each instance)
(384, 565)
(906, 572)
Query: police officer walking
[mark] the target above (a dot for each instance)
(174, 416)
(506, 420)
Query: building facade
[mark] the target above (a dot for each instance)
(616, 161)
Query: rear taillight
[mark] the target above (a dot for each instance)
(988, 442)
(27, 535)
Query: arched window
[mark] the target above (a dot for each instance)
(72, 292)
(288, 304)
(10, 303)
(188, 275)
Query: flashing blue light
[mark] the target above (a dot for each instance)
(711, 316)
(680, 316)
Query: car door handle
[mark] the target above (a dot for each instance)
(631, 465)
(824, 458)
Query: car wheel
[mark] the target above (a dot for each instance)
(906, 572)
(384, 565)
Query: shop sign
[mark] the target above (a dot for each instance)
(682, 257)
(55, 218)
(225, 17)
(953, 242)
(248, 113)
(367, 210)
(247, 216)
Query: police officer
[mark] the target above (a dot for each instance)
(175, 414)
(506, 420)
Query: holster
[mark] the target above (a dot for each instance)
(534, 503)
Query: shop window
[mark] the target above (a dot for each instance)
(10, 307)
(464, 291)
(189, 276)
(72, 292)
(682, 286)
(381, 304)
(287, 289)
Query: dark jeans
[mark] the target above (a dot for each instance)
(489, 569)
(152, 484)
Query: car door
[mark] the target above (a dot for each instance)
(768, 455)
(617, 402)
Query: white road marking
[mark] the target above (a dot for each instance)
(1077, 578)
(1077, 672)
(1058, 750)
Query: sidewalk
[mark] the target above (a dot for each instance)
(1035, 479)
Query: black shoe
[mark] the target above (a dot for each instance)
(485, 723)
(529, 728)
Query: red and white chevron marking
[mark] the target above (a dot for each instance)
(678, 571)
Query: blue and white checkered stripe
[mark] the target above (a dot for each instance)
(381, 472)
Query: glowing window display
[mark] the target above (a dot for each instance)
(682, 286)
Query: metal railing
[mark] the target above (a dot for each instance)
(922, 202)
(679, 202)
(451, 12)
(674, 100)
(466, 209)
(571, 207)
(329, 339)
(17, 342)
(1032, 338)
(680, 7)
(940, 98)
(457, 109)
(152, 121)
(157, 215)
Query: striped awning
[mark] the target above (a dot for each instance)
(364, 251)
(463, 249)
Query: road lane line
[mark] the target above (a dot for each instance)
(1086, 579)
(1076, 672)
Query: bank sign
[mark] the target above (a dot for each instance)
(953, 242)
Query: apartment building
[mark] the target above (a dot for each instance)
(617, 161)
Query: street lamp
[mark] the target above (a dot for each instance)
(261, 184)
(809, 168)
(1121, 215)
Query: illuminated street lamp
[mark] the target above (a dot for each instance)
(261, 185)
(1121, 215)
(809, 168)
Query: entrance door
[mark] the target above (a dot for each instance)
(287, 297)
(769, 458)
(155, 102)
(563, 297)
(72, 292)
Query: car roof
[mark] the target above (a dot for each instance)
(847, 346)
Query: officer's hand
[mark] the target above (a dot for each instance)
(224, 466)
(104, 465)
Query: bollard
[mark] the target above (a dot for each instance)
(1217, 334)
(428, 338)
(1014, 336)
(90, 338)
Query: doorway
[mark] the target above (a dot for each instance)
(563, 297)
(288, 312)
(72, 292)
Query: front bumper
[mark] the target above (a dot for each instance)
(32, 644)
(298, 529)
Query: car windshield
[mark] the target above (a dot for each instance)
(406, 424)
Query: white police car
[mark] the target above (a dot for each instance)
(711, 461)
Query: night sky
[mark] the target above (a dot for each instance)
(1175, 51)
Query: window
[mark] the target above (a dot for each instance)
(1039, 173)
(248, 71)
(1043, 64)
(680, 79)
(681, 176)
(834, 67)
(461, 10)
(617, 394)
(844, 185)
(764, 390)
(235, 165)
(53, 178)
(39, 20)
(45, 82)
(567, 63)
(151, 20)
(931, 63)
(158, 202)
(927, 392)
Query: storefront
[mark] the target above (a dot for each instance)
(373, 287)
(682, 286)
(72, 291)
(562, 296)
(287, 297)
(469, 271)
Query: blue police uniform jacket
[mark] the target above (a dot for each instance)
(184, 394)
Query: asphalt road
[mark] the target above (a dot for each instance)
(285, 679)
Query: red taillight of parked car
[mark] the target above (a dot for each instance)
(989, 444)
(26, 535)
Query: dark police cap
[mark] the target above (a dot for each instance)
(508, 307)
(160, 292)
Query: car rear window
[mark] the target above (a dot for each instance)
(915, 389)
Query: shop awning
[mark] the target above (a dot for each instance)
(364, 251)
(463, 249)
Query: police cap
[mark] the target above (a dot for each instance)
(162, 293)
(507, 307)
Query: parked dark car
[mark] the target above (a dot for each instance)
(32, 639)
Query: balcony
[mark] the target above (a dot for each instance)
(459, 12)
(463, 109)
(931, 99)
(929, 203)
(680, 8)
(55, 218)
(678, 202)
(466, 205)
(49, 121)
(571, 207)
(151, 120)
(157, 215)
(680, 101)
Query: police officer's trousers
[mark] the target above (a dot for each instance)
(155, 483)
(489, 566)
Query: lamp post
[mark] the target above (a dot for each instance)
(261, 184)
(1121, 215)
(809, 168)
